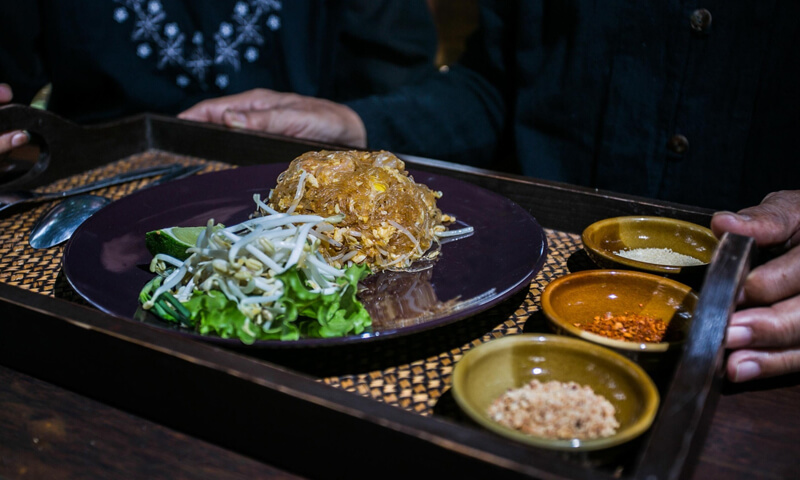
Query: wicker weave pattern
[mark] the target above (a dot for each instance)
(37, 270)
(418, 385)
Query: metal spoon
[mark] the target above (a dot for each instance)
(61, 221)
(58, 224)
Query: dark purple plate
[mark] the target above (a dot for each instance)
(106, 261)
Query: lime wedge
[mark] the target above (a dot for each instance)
(172, 241)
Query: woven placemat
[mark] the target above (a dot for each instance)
(37, 270)
(412, 372)
(419, 384)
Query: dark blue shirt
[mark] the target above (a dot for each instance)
(107, 59)
(693, 102)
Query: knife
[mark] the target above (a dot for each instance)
(60, 222)
(116, 180)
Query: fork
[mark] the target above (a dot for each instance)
(9, 199)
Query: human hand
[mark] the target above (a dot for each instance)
(17, 138)
(765, 337)
(284, 114)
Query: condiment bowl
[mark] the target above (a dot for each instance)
(492, 368)
(602, 239)
(579, 297)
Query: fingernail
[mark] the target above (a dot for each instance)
(740, 297)
(739, 216)
(19, 139)
(235, 119)
(747, 370)
(739, 337)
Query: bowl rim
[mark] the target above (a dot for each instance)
(639, 426)
(590, 245)
(549, 310)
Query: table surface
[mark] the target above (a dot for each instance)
(49, 432)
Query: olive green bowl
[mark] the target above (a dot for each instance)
(488, 370)
(579, 297)
(603, 238)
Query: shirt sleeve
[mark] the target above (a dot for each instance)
(457, 115)
(383, 44)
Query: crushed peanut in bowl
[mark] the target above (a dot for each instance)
(556, 410)
(555, 392)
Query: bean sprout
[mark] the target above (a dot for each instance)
(243, 262)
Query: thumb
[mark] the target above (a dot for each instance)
(775, 222)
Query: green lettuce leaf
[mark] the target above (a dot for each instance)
(307, 314)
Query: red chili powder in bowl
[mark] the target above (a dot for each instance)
(631, 327)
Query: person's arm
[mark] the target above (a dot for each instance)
(459, 115)
(456, 115)
(765, 335)
(382, 45)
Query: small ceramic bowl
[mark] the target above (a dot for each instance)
(601, 241)
(492, 368)
(579, 297)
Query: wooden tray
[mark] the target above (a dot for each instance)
(276, 407)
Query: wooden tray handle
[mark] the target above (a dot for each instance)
(689, 406)
(47, 131)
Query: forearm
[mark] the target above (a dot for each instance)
(382, 45)
(457, 116)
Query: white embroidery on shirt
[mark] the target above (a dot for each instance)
(251, 54)
(144, 50)
(274, 22)
(222, 81)
(237, 38)
(120, 15)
